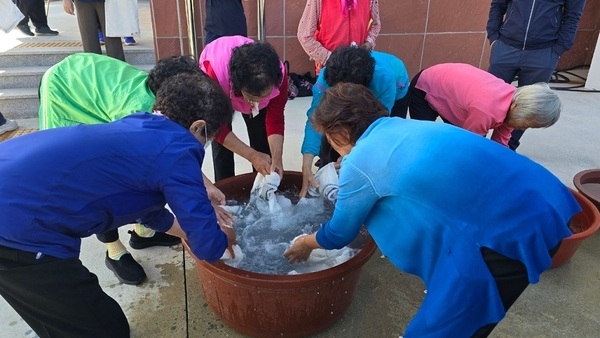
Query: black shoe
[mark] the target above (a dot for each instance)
(25, 30)
(127, 270)
(45, 31)
(159, 239)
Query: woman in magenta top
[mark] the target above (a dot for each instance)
(256, 81)
(476, 100)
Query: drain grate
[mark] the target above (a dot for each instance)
(50, 44)
(15, 133)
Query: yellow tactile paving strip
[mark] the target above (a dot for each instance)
(15, 133)
(56, 44)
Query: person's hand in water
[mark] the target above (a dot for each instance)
(217, 198)
(301, 249)
(308, 178)
(231, 238)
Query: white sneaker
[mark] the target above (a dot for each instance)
(10, 125)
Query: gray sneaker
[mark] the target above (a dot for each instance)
(25, 30)
(10, 125)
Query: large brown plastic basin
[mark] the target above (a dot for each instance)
(262, 305)
(589, 219)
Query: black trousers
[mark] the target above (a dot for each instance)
(34, 10)
(400, 107)
(419, 108)
(109, 236)
(511, 279)
(58, 297)
(257, 134)
(2, 119)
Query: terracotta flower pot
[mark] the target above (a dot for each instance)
(262, 305)
(583, 225)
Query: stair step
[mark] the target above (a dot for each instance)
(24, 77)
(25, 57)
(22, 68)
(19, 103)
(21, 77)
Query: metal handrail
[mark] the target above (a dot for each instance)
(191, 28)
(260, 16)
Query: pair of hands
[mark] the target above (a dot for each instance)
(224, 217)
(301, 249)
(308, 177)
(265, 164)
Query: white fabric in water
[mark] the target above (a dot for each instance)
(327, 178)
(239, 255)
(263, 193)
(321, 259)
(232, 209)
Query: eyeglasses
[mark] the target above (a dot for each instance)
(253, 99)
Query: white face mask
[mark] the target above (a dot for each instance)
(255, 110)
(207, 142)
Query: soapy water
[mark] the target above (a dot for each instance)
(263, 237)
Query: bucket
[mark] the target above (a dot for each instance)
(262, 305)
(587, 220)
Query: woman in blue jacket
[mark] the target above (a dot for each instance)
(384, 74)
(64, 184)
(474, 220)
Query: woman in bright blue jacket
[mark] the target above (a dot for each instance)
(474, 220)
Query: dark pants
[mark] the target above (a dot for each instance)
(34, 10)
(2, 119)
(58, 297)
(89, 16)
(224, 18)
(210, 37)
(257, 134)
(400, 107)
(531, 66)
(419, 108)
(109, 236)
(511, 279)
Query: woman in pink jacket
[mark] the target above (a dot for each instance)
(256, 81)
(475, 100)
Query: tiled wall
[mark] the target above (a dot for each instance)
(420, 32)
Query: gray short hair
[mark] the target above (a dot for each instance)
(537, 104)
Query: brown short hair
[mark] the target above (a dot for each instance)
(345, 111)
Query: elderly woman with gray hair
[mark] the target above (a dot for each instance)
(476, 100)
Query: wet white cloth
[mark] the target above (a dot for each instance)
(321, 259)
(239, 255)
(263, 193)
(327, 178)
(232, 209)
(10, 15)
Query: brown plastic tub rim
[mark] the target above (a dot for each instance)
(585, 177)
(368, 249)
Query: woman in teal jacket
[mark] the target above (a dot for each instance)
(384, 74)
(474, 220)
